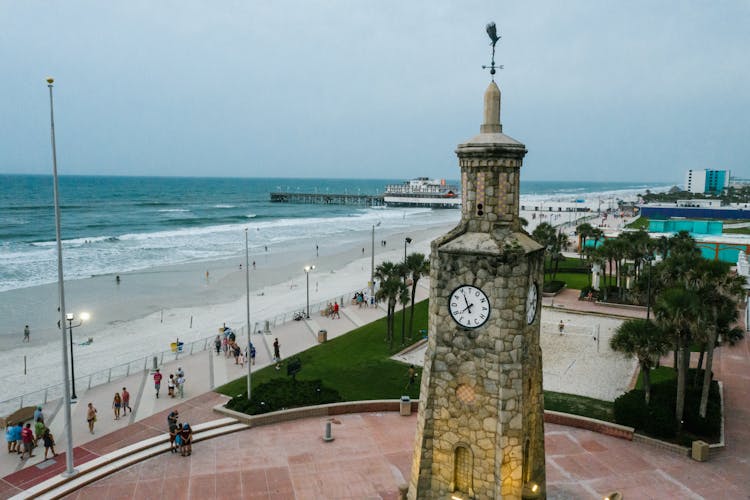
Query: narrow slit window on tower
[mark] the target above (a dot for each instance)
(462, 469)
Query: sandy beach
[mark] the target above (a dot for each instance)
(147, 310)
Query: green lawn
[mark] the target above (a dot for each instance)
(579, 405)
(359, 367)
(639, 223)
(357, 364)
(574, 280)
(737, 230)
(657, 375)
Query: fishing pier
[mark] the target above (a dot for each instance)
(366, 200)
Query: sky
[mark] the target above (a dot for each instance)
(636, 91)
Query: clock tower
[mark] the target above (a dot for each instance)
(480, 431)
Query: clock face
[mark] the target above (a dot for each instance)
(531, 304)
(469, 306)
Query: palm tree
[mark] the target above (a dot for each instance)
(418, 266)
(644, 340)
(544, 234)
(559, 245)
(584, 232)
(392, 289)
(676, 311)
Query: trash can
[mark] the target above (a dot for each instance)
(322, 336)
(700, 451)
(405, 407)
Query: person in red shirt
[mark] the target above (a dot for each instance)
(336, 310)
(126, 402)
(27, 437)
(157, 382)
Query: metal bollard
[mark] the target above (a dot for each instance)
(328, 436)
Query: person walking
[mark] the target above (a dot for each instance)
(217, 345)
(277, 353)
(157, 382)
(38, 430)
(561, 327)
(49, 443)
(336, 314)
(17, 431)
(10, 438)
(170, 386)
(116, 405)
(91, 417)
(173, 430)
(412, 372)
(181, 385)
(26, 334)
(38, 414)
(252, 353)
(27, 438)
(126, 402)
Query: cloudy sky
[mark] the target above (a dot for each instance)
(600, 90)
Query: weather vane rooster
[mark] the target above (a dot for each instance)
(494, 37)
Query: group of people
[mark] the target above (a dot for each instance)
(332, 311)
(360, 299)
(22, 439)
(180, 435)
(175, 381)
(226, 342)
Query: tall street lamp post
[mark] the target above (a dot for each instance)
(372, 263)
(69, 470)
(406, 242)
(649, 258)
(307, 276)
(81, 318)
(247, 310)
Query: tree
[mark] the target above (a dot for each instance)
(676, 311)
(544, 234)
(584, 231)
(418, 266)
(643, 339)
(559, 244)
(392, 289)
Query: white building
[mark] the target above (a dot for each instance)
(706, 181)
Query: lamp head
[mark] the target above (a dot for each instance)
(408, 240)
(84, 316)
(50, 80)
(69, 316)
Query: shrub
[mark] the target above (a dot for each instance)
(283, 393)
(657, 419)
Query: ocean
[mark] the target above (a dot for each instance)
(118, 224)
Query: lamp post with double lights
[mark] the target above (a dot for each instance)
(247, 310)
(407, 240)
(307, 276)
(69, 470)
(70, 317)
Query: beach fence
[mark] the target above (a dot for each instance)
(107, 375)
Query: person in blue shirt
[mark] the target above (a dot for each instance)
(38, 415)
(17, 436)
(9, 437)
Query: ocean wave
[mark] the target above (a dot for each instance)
(77, 241)
(251, 216)
(223, 206)
(173, 210)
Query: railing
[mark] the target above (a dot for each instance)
(85, 382)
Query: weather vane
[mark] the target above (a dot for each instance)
(494, 37)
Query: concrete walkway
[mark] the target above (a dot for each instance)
(372, 452)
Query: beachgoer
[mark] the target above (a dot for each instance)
(363, 250)
(252, 353)
(317, 253)
(173, 429)
(217, 345)
(186, 440)
(10, 438)
(336, 314)
(117, 279)
(17, 431)
(181, 385)
(126, 402)
(253, 265)
(38, 430)
(206, 275)
(27, 438)
(26, 334)
(276, 350)
(179, 373)
(170, 386)
(49, 443)
(38, 415)
(157, 382)
(412, 372)
(116, 405)
(236, 351)
(91, 417)
(561, 327)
